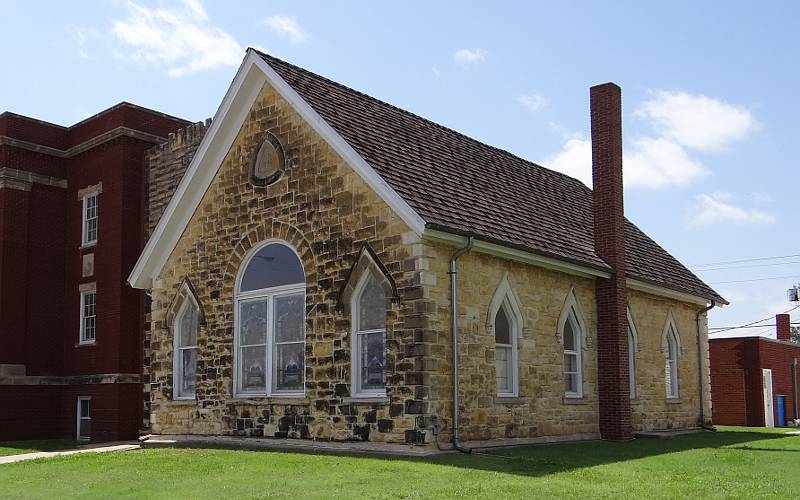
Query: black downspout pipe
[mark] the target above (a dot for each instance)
(700, 365)
(454, 320)
(794, 388)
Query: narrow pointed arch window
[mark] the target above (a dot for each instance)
(505, 338)
(270, 323)
(369, 337)
(573, 362)
(671, 364)
(185, 337)
(633, 346)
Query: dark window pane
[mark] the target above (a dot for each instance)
(189, 371)
(253, 322)
(570, 334)
(372, 306)
(289, 365)
(273, 265)
(372, 360)
(502, 327)
(85, 428)
(188, 325)
(254, 375)
(290, 318)
(84, 407)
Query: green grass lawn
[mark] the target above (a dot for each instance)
(734, 463)
(18, 447)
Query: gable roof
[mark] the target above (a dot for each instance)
(436, 179)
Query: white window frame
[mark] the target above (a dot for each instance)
(633, 348)
(357, 337)
(673, 390)
(79, 417)
(572, 317)
(85, 241)
(514, 334)
(269, 294)
(83, 339)
(177, 357)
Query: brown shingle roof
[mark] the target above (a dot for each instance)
(458, 184)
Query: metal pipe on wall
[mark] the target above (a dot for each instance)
(454, 321)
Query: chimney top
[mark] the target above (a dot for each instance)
(783, 327)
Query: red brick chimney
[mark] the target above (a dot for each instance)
(609, 244)
(783, 327)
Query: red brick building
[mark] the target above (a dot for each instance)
(754, 379)
(73, 218)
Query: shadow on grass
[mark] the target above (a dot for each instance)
(541, 460)
(32, 446)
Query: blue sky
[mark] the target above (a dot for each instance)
(709, 91)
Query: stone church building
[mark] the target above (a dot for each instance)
(333, 267)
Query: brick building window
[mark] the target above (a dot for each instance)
(84, 420)
(90, 218)
(270, 323)
(369, 334)
(88, 317)
(185, 358)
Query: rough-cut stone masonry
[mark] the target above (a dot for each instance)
(325, 210)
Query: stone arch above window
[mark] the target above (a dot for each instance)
(571, 306)
(633, 332)
(368, 262)
(186, 291)
(671, 328)
(504, 292)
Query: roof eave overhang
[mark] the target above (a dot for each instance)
(253, 73)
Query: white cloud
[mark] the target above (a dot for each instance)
(718, 208)
(697, 121)
(181, 38)
(469, 56)
(682, 122)
(83, 36)
(761, 198)
(287, 27)
(534, 102)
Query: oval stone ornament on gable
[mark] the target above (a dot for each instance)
(268, 161)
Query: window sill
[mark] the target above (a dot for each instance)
(575, 400)
(367, 400)
(84, 246)
(269, 400)
(184, 401)
(510, 400)
(85, 344)
(674, 400)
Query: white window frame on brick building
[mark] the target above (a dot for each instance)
(506, 344)
(83, 416)
(572, 318)
(671, 347)
(88, 317)
(633, 348)
(188, 317)
(362, 334)
(91, 219)
(263, 302)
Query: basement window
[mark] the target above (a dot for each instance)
(84, 424)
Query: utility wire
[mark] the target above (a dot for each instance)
(756, 322)
(750, 326)
(744, 260)
(748, 266)
(794, 277)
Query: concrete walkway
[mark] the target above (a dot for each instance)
(89, 448)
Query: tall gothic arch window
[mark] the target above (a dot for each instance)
(270, 323)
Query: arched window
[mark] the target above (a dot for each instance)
(270, 323)
(505, 354)
(671, 366)
(572, 332)
(369, 337)
(633, 347)
(185, 359)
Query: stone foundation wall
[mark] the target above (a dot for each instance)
(327, 213)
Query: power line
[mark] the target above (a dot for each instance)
(744, 260)
(749, 326)
(755, 322)
(749, 266)
(794, 277)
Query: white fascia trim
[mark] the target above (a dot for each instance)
(514, 254)
(215, 145)
(342, 148)
(227, 122)
(642, 286)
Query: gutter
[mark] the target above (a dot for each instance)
(454, 320)
(700, 365)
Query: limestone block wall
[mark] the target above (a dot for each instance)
(327, 213)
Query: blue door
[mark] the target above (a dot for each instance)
(781, 411)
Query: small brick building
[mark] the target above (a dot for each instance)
(741, 371)
(333, 267)
(72, 224)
